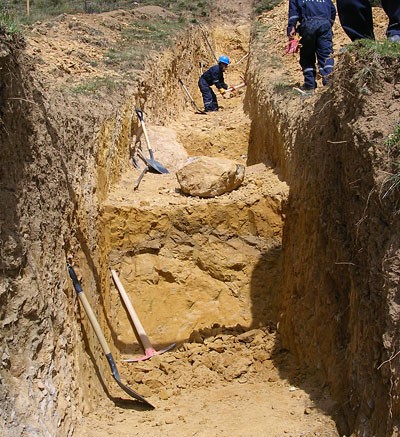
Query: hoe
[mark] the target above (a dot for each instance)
(149, 351)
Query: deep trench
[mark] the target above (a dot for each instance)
(295, 263)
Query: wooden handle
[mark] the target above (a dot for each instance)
(94, 322)
(144, 171)
(140, 115)
(232, 88)
(135, 319)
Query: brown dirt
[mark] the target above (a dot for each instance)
(198, 388)
(229, 374)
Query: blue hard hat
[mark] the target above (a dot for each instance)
(224, 59)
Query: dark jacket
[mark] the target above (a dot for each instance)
(215, 76)
(303, 10)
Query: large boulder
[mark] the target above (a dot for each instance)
(168, 151)
(209, 177)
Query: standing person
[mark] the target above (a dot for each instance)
(213, 76)
(356, 19)
(316, 18)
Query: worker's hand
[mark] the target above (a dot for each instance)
(292, 46)
(222, 91)
(292, 33)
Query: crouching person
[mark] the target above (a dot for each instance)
(213, 76)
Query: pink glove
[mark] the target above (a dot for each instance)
(292, 46)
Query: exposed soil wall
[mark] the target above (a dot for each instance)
(341, 252)
(60, 153)
(339, 287)
(189, 263)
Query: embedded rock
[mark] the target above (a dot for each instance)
(209, 177)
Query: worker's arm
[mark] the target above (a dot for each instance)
(333, 13)
(293, 18)
(218, 79)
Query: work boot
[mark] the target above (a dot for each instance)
(307, 90)
(304, 91)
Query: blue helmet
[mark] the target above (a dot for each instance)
(224, 59)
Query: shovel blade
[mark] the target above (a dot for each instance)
(159, 168)
(155, 164)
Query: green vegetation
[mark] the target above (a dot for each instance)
(8, 24)
(261, 6)
(141, 37)
(371, 49)
(282, 88)
(40, 10)
(376, 61)
(94, 86)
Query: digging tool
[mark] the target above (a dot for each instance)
(151, 162)
(241, 59)
(142, 336)
(234, 88)
(139, 179)
(101, 338)
(191, 98)
(144, 171)
(208, 43)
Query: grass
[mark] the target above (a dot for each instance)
(94, 85)
(282, 88)
(368, 48)
(8, 24)
(41, 10)
(261, 6)
(141, 37)
(377, 61)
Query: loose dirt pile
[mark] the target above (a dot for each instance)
(224, 381)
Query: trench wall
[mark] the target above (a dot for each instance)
(189, 265)
(57, 164)
(339, 288)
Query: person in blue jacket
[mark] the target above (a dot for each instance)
(316, 18)
(356, 19)
(213, 76)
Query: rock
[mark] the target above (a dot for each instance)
(249, 336)
(261, 355)
(145, 391)
(195, 337)
(165, 394)
(209, 177)
(167, 149)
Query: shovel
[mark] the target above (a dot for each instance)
(151, 162)
(191, 98)
(101, 338)
(149, 351)
(144, 171)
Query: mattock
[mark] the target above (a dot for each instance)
(149, 351)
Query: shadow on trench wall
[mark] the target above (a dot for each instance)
(264, 286)
(267, 304)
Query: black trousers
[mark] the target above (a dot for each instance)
(356, 18)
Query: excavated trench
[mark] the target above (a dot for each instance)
(282, 305)
(204, 274)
